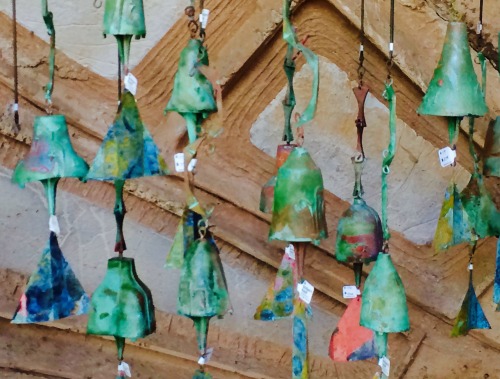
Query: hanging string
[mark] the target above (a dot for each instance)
(49, 23)
(15, 106)
(479, 30)
(119, 77)
(361, 69)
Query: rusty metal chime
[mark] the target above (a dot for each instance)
(53, 291)
(122, 305)
(203, 292)
(295, 199)
(359, 240)
(455, 92)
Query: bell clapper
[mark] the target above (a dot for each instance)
(119, 211)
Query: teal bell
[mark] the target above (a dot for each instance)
(122, 305)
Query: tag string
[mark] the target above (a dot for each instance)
(390, 62)
(16, 80)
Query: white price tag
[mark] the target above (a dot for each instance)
(471, 267)
(350, 292)
(179, 162)
(385, 364)
(305, 290)
(204, 18)
(130, 83)
(54, 225)
(124, 369)
(290, 251)
(15, 107)
(447, 156)
(206, 357)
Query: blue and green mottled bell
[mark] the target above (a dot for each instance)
(122, 305)
(492, 149)
(51, 155)
(299, 208)
(124, 17)
(454, 90)
(128, 150)
(53, 292)
(384, 308)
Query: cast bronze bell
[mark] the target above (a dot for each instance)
(124, 17)
(299, 209)
(454, 90)
(51, 155)
(267, 193)
(492, 149)
(122, 305)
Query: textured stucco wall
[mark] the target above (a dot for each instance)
(79, 29)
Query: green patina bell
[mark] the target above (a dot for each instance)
(51, 155)
(359, 232)
(384, 307)
(122, 305)
(482, 212)
(267, 193)
(193, 94)
(492, 149)
(203, 290)
(124, 17)
(454, 90)
(299, 208)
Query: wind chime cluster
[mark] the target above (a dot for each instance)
(470, 215)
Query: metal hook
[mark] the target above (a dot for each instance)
(97, 4)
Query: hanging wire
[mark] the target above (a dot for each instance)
(119, 77)
(15, 106)
(361, 69)
(390, 62)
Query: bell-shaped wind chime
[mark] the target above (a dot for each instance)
(384, 309)
(455, 92)
(53, 292)
(359, 240)
(295, 198)
(203, 292)
(122, 305)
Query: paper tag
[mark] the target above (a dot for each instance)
(479, 28)
(391, 46)
(305, 290)
(130, 83)
(54, 225)
(124, 369)
(179, 162)
(192, 164)
(471, 267)
(206, 357)
(15, 107)
(447, 156)
(350, 292)
(204, 18)
(385, 364)
(290, 251)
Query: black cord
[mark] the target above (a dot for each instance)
(16, 79)
(391, 43)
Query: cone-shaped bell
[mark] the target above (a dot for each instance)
(53, 291)
(199, 374)
(454, 90)
(185, 235)
(193, 94)
(482, 212)
(124, 17)
(384, 307)
(471, 315)
(51, 154)
(359, 234)
(267, 193)
(202, 288)
(453, 225)
(128, 150)
(299, 209)
(492, 149)
(122, 305)
(278, 302)
(351, 341)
